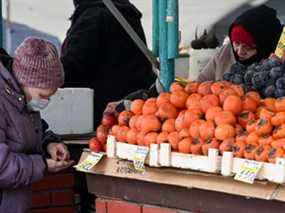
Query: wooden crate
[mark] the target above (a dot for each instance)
(269, 171)
(161, 156)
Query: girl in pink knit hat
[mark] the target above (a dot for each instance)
(26, 83)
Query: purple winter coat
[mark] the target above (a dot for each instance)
(21, 153)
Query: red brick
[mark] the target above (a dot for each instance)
(157, 209)
(60, 198)
(101, 205)
(55, 210)
(54, 182)
(40, 199)
(114, 206)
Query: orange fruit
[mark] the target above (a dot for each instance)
(178, 98)
(225, 117)
(162, 138)
(136, 106)
(173, 139)
(205, 88)
(224, 131)
(233, 104)
(184, 145)
(124, 118)
(162, 98)
(150, 138)
(209, 101)
(211, 113)
(168, 125)
(192, 87)
(149, 107)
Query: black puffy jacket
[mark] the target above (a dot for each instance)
(98, 53)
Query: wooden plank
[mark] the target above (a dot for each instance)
(273, 172)
(189, 199)
(204, 181)
(279, 193)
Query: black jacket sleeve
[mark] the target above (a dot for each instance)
(80, 47)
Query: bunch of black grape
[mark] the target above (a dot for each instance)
(266, 77)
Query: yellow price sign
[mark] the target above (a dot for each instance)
(248, 171)
(89, 162)
(139, 158)
(280, 49)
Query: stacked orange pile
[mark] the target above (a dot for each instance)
(204, 115)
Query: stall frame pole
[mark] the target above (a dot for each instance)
(166, 63)
(155, 28)
(172, 19)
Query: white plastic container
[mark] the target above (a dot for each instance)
(198, 60)
(70, 111)
(182, 66)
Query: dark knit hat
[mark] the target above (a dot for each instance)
(264, 26)
(36, 64)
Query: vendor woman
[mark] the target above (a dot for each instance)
(253, 36)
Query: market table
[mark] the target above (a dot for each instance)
(180, 189)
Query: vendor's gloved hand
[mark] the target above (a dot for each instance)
(54, 166)
(58, 151)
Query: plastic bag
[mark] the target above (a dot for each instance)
(198, 60)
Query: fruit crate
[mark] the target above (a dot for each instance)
(161, 156)
(269, 171)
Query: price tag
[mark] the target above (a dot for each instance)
(248, 171)
(90, 161)
(139, 158)
(280, 49)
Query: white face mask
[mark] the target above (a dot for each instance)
(37, 104)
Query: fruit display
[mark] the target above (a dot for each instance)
(98, 143)
(200, 116)
(266, 77)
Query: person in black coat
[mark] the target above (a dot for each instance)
(98, 53)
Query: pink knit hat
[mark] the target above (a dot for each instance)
(36, 64)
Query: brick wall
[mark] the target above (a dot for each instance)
(118, 206)
(54, 193)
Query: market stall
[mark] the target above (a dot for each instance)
(229, 159)
(197, 146)
(180, 189)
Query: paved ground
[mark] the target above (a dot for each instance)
(50, 18)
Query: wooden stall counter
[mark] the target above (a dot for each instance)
(179, 189)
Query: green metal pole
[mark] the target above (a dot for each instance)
(166, 65)
(155, 28)
(172, 28)
(1, 25)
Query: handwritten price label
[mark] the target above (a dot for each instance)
(248, 171)
(280, 49)
(90, 161)
(139, 158)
